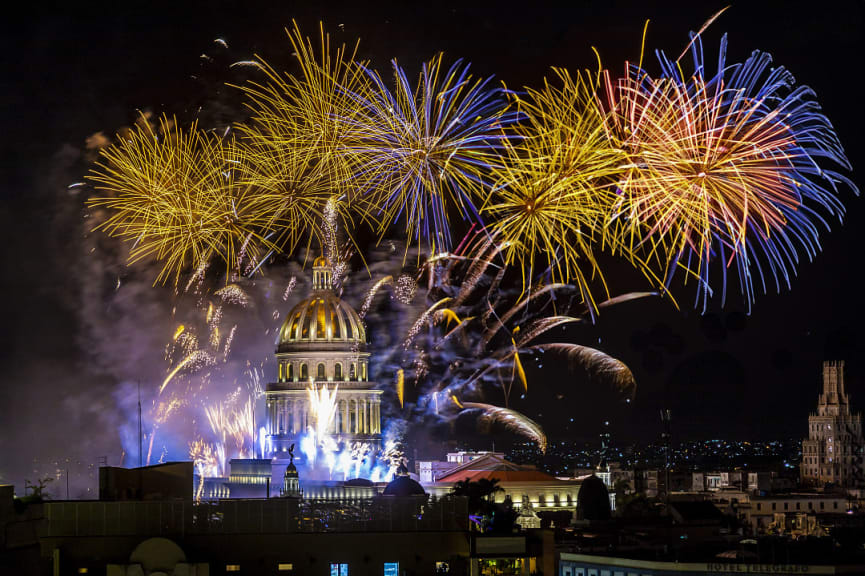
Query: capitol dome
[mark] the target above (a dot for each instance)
(321, 318)
(321, 350)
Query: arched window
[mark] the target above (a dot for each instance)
(337, 371)
(352, 372)
(281, 372)
(290, 371)
(321, 373)
(363, 371)
(304, 371)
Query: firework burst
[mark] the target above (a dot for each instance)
(307, 112)
(723, 168)
(171, 192)
(421, 152)
(554, 189)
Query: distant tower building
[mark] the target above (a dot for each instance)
(834, 448)
(322, 343)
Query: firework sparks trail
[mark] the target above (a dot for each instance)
(370, 295)
(511, 419)
(289, 288)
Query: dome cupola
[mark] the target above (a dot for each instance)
(322, 318)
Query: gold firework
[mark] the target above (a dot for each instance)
(552, 193)
(304, 119)
(173, 194)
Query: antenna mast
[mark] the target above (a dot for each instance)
(139, 423)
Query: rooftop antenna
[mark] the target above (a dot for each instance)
(139, 423)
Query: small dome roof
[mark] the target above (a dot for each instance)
(321, 262)
(359, 482)
(403, 486)
(291, 470)
(593, 500)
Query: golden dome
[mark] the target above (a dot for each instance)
(322, 318)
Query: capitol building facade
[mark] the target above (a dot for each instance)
(322, 347)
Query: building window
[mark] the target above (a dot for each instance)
(773, 506)
(304, 371)
(337, 371)
(759, 506)
(232, 567)
(835, 505)
(290, 371)
(282, 373)
(352, 372)
(285, 567)
(339, 570)
(797, 505)
(822, 505)
(786, 505)
(442, 568)
(321, 372)
(391, 569)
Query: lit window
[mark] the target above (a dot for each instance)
(339, 570)
(232, 567)
(83, 570)
(286, 567)
(443, 568)
(391, 569)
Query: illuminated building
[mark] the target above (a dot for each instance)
(322, 343)
(834, 448)
(526, 486)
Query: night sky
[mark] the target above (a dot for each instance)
(86, 67)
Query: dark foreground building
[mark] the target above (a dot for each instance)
(587, 565)
(400, 531)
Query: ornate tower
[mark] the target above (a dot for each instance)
(291, 480)
(322, 344)
(833, 452)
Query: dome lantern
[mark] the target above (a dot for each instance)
(322, 318)
(322, 274)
